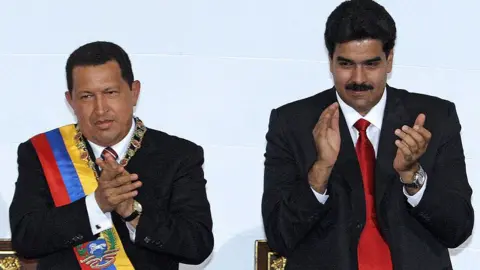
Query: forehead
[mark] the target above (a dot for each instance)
(360, 49)
(96, 76)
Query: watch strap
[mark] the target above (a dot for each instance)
(132, 216)
(415, 184)
(411, 185)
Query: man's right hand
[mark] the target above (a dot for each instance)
(327, 141)
(114, 184)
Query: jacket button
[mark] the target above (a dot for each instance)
(147, 240)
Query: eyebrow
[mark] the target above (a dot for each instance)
(104, 90)
(80, 92)
(371, 60)
(109, 89)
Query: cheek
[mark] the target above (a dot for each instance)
(342, 76)
(378, 77)
(83, 112)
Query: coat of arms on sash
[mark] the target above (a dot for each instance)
(99, 253)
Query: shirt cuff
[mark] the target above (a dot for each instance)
(99, 221)
(414, 199)
(131, 230)
(322, 198)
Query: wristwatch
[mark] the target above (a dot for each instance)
(418, 179)
(137, 210)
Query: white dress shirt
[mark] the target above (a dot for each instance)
(375, 117)
(100, 221)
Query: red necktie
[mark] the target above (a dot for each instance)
(110, 151)
(373, 251)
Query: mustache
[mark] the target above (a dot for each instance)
(358, 87)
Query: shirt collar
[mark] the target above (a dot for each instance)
(374, 116)
(121, 147)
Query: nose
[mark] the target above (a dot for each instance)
(100, 104)
(358, 75)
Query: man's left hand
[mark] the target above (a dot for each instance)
(413, 144)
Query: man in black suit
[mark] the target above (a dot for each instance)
(108, 191)
(364, 175)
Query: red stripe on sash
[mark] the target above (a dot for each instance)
(50, 169)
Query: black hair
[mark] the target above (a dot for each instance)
(98, 53)
(359, 20)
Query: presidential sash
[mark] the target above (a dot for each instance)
(70, 176)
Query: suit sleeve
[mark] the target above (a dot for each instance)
(446, 209)
(38, 227)
(184, 229)
(290, 209)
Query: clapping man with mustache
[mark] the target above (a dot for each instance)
(365, 175)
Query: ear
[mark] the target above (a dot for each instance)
(68, 96)
(135, 91)
(331, 64)
(390, 61)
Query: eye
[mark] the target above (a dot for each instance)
(345, 64)
(372, 64)
(86, 96)
(111, 92)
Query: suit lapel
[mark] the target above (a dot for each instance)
(347, 163)
(395, 116)
(91, 154)
(140, 158)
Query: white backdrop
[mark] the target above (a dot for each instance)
(211, 71)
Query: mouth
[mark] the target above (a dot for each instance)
(104, 124)
(359, 92)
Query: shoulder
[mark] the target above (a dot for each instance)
(26, 148)
(305, 110)
(324, 98)
(39, 140)
(432, 106)
(441, 117)
(172, 145)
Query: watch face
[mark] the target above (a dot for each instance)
(420, 178)
(137, 206)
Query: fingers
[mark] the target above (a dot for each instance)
(411, 138)
(325, 118)
(125, 196)
(121, 180)
(414, 141)
(110, 168)
(419, 127)
(423, 132)
(109, 163)
(330, 109)
(335, 120)
(127, 188)
(420, 121)
(417, 138)
(407, 153)
(118, 190)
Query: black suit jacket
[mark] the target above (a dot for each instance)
(176, 224)
(316, 236)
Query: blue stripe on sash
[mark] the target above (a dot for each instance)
(65, 165)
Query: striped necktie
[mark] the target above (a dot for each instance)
(109, 151)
